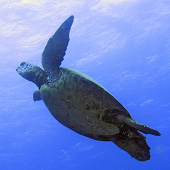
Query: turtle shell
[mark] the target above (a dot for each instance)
(83, 105)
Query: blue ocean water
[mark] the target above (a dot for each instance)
(124, 45)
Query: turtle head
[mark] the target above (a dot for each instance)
(27, 70)
(32, 73)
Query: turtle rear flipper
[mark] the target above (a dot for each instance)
(133, 142)
(143, 128)
(117, 115)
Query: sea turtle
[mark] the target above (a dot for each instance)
(82, 104)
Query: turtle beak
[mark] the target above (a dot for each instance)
(20, 68)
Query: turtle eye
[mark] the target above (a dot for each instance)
(22, 64)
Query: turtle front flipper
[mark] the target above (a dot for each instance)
(36, 95)
(133, 142)
(55, 48)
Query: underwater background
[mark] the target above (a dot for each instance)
(122, 44)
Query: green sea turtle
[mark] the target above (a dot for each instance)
(80, 103)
